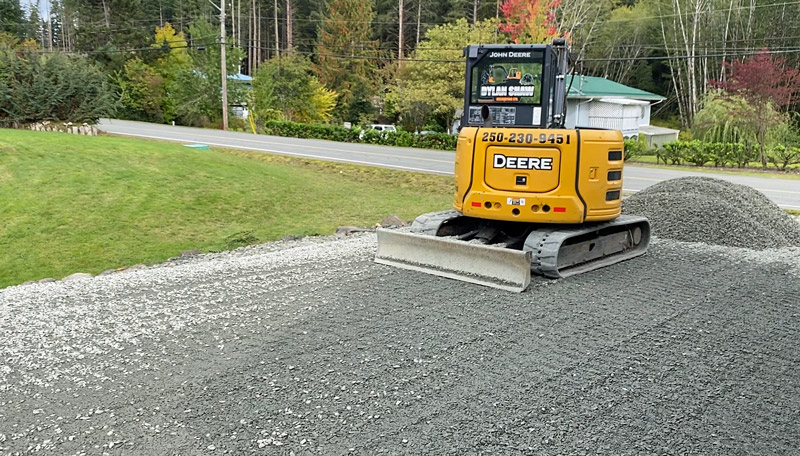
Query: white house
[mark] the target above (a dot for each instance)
(241, 110)
(601, 103)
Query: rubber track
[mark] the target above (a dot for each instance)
(431, 222)
(545, 244)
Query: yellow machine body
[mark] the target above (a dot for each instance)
(532, 196)
(539, 175)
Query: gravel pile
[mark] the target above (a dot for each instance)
(714, 211)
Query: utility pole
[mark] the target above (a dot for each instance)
(400, 32)
(419, 13)
(289, 27)
(223, 68)
(497, 17)
(277, 38)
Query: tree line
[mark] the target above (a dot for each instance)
(400, 60)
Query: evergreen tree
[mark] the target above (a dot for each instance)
(34, 29)
(344, 53)
(52, 87)
(11, 18)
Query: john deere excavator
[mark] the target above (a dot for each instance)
(531, 195)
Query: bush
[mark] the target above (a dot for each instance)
(671, 152)
(438, 141)
(782, 156)
(700, 153)
(695, 152)
(310, 131)
(51, 87)
(742, 154)
(634, 148)
(719, 153)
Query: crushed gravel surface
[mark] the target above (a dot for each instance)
(308, 347)
(714, 211)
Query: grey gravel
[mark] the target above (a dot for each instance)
(308, 347)
(714, 211)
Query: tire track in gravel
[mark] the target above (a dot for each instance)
(316, 350)
(488, 376)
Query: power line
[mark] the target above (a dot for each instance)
(696, 56)
(101, 22)
(198, 46)
(708, 11)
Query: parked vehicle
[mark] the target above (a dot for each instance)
(381, 127)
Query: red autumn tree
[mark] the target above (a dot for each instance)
(768, 85)
(530, 21)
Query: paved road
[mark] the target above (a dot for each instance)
(784, 192)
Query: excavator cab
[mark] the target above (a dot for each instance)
(532, 196)
(513, 74)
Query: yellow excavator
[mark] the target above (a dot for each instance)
(531, 195)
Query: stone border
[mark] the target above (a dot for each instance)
(83, 129)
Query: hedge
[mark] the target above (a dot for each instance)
(676, 152)
(438, 141)
(699, 153)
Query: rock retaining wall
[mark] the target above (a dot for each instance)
(76, 129)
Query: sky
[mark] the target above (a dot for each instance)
(44, 6)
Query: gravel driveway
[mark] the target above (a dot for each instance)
(308, 347)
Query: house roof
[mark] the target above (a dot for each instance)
(596, 87)
(624, 101)
(240, 77)
(652, 130)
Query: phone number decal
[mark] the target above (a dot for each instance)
(527, 138)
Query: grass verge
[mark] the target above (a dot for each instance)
(86, 204)
(650, 161)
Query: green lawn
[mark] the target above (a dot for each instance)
(85, 204)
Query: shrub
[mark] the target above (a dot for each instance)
(439, 141)
(671, 152)
(719, 153)
(782, 156)
(696, 152)
(51, 87)
(634, 147)
(742, 154)
(310, 131)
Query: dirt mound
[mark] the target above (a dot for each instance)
(714, 211)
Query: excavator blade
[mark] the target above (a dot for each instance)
(497, 267)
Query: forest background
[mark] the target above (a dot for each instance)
(725, 66)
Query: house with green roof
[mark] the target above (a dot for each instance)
(601, 103)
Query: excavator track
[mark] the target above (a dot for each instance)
(504, 254)
(563, 252)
